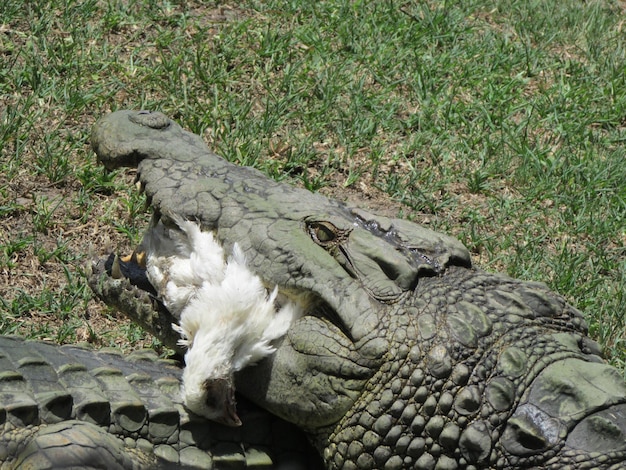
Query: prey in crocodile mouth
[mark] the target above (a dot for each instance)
(227, 319)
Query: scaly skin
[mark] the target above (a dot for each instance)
(407, 357)
(69, 407)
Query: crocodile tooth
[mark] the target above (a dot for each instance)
(116, 271)
(140, 186)
(137, 257)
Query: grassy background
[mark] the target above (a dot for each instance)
(500, 122)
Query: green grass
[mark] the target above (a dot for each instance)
(500, 122)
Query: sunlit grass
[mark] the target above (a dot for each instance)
(500, 122)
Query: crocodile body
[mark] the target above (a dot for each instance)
(406, 355)
(73, 407)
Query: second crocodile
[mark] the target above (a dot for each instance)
(72, 407)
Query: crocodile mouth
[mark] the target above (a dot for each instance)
(131, 267)
(122, 283)
(176, 260)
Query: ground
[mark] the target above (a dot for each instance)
(499, 123)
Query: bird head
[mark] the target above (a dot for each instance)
(214, 399)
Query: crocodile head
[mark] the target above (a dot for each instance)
(405, 356)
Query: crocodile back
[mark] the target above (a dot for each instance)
(72, 406)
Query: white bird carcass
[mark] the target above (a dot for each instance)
(227, 318)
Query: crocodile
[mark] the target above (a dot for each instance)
(406, 355)
(73, 407)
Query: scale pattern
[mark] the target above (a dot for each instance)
(65, 406)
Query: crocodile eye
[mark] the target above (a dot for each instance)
(323, 233)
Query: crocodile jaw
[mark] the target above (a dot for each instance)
(227, 320)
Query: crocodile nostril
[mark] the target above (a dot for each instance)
(152, 119)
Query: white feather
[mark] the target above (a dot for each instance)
(178, 262)
(227, 319)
